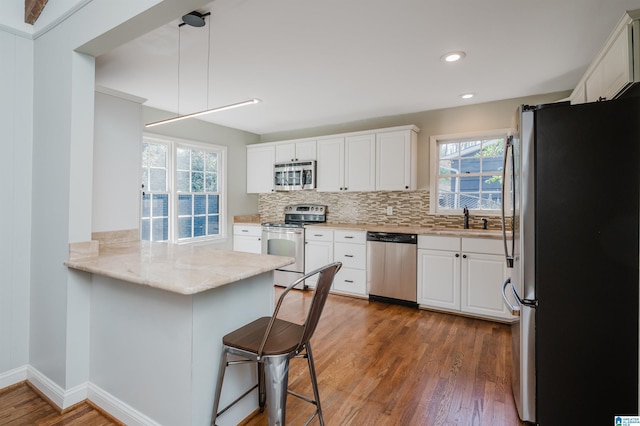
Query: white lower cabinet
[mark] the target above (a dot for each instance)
(439, 279)
(482, 278)
(324, 246)
(247, 238)
(350, 248)
(463, 275)
(318, 251)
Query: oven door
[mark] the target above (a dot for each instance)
(285, 242)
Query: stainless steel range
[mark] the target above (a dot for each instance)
(287, 239)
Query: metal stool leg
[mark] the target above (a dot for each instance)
(221, 370)
(277, 378)
(262, 389)
(314, 382)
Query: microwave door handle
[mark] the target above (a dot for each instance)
(508, 148)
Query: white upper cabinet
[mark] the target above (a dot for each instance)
(346, 164)
(260, 160)
(295, 151)
(396, 165)
(382, 159)
(360, 163)
(616, 66)
(330, 165)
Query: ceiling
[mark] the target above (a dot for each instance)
(316, 63)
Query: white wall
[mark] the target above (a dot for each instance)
(62, 173)
(116, 163)
(16, 121)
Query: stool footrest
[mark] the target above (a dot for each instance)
(236, 400)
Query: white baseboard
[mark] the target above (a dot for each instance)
(66, 398)
(60, 397)
(118, 409)
(14, 376)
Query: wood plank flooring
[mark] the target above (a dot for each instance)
(20, 405)
(380, 364)
(377, 364)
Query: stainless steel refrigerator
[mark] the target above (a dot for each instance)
(571, 195)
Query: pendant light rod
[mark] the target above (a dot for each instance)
(206, 111)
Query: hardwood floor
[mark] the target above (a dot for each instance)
(377, 364)
(380, 364)
(20, 405)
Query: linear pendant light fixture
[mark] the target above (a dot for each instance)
(206, 111)
(196, 19)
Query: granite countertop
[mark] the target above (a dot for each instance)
(184, 269)
(420, 230)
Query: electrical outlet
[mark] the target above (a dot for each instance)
(389, 210)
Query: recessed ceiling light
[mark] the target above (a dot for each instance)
(452, 56)
(467, 95)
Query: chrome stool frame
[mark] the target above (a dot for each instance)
(271, 343)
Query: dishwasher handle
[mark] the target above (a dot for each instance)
(392, 237)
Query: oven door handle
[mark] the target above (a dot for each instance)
(280, 231)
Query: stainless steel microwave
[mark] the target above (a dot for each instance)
(294, 175)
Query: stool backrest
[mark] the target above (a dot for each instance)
(325, 278)
(320, 294)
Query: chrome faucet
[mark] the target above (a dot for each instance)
(466, 217)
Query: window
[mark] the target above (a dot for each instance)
(182, 191)
(466, 171)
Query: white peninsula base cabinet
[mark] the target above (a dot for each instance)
(462, 275)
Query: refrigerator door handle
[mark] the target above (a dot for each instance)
(508, 148)
(514, 310)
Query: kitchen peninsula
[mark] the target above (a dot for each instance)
(158, 314)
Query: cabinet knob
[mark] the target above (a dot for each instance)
(457, 254)
(406, 187)
(464, 256)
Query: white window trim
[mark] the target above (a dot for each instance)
(433, 166)
(173, 198)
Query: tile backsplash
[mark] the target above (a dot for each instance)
(409, 208)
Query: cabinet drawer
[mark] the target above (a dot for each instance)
(252, 230)
(351, 281)
(346, 236)
(483, 245)
(314, 234)
(351, 255)
(436, 242)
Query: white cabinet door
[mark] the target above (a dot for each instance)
(247, 238)
(247, 244)
(616, 66)
(360, 163)
(260, 160)
(614, 71)
(439, 279)
(318, 251)
(330, 165)
(285, 152)
(306, 150)
(482, 277)
(395, 164)
(295, 151)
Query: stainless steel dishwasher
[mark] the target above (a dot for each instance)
(391, 267)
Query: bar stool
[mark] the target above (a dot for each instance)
(271, 343)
